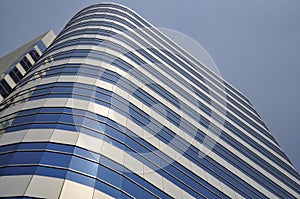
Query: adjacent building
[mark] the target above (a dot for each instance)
(14, 65)
(115, 109)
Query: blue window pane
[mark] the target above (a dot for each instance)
(87, 154)
(24, 119)
(132, 188)
(41, 91)
(41, 46)
(60, 147)
(18, 128)
(8, 148)
(112, 191)
(19, 170)
(107, 189)
(85, 180)
(64, 118)
(115, 133)
(62, 90)
(56, 159)
(33, 145)
(5, 158)
(26, 158)
(85, 92)
(47, 118)
(109, 176)
(42, 126)
(51, 172)
(84, 166)
(65, 127)
(95, 125)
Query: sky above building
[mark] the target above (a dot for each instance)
(255, 45)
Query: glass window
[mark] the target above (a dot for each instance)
(52, 172)
(56, 159)
(33, 145)
(115, 133)
(132, 188)
(41, 46)
(18, 170)
(47, 117)
(25, 63)
(5, 158)
(18, 128)
(84, 166)
(65, 118)
(3, 91)
(60, 147)
(35, 56)
(26, 158)
(8, 148)
(82, 179)
(108, 189)
(5, 85)
(15, 78)
(87, 154)
(110, 176)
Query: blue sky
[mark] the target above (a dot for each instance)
(255, 45)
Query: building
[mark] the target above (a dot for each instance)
(115, 109)
(14, 65)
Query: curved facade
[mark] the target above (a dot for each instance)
(115, 109)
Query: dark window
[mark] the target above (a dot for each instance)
(18, 73)
(3, 92)
(5, 89)
(25, 63)
(35, 56)
(15, 75)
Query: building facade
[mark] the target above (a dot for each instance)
(115, 109)
(14, 65)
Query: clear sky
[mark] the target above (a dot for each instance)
(255, 44)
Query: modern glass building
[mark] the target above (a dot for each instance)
(14, 65)
(115, 109)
